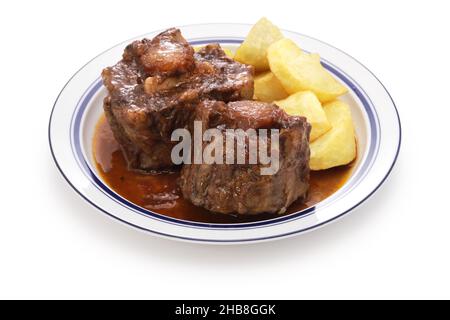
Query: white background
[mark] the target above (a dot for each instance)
(54, 245)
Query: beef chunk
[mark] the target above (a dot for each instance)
(243, 115)
(167, 54)
(157, 86)
(240, 188)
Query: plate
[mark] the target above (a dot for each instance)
(377, 125)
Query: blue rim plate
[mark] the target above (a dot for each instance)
(377, 125)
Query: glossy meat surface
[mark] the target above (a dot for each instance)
(240, 188)
(167, 54)
(244, 114)
(156, 87)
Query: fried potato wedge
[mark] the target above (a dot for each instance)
(305, 103)
(253, 50)
(268, 88)
(338, 146)
(315, 56)
(300, 71)
(228, 52)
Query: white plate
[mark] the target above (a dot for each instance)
(377, 125)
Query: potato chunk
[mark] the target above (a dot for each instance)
(268, 88)
(300, 71)
(305, 103)
(253, 50)
(228, 52)
(338, 146)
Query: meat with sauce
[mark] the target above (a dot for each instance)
(161, 85)
(156, 88)
(241, 188)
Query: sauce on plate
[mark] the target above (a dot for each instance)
(160, 193)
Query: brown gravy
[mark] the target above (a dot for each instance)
(160, 193)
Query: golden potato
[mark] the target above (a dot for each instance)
(338, 146)
(315, 56)
(305, 103)
(300, 71)
(253, 50)
(268, 88)
(228, 52)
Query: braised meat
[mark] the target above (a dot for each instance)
(167, 54)
(161, 85)
(157, 86)
(240, 188)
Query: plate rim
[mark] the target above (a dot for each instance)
(274, 237)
